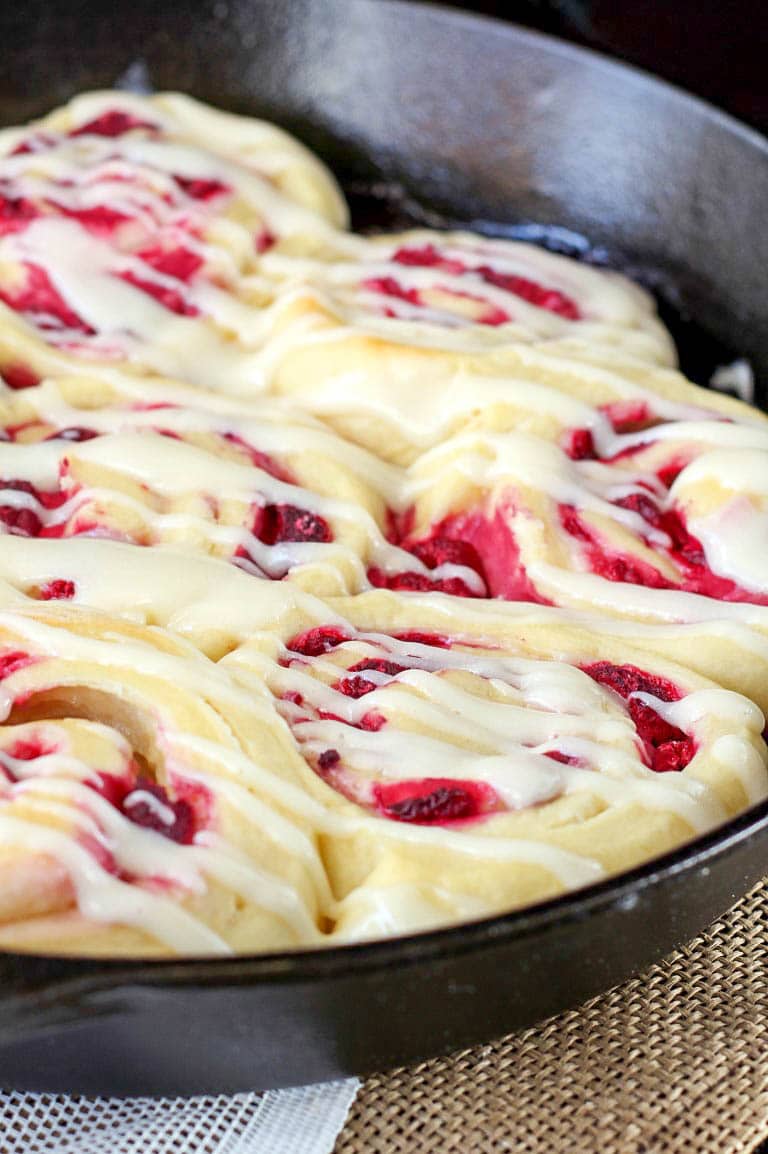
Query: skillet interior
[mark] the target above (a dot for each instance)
(566, 146)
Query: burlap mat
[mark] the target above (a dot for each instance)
(673, 1061)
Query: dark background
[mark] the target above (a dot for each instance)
(717, 50)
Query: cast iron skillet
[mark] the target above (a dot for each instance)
(423, 111)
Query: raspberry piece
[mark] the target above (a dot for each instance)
(15, 213)
(434, 800)
(628, 679)
(355, 686)
(447, 551)
(441, 805)
(328, 759)
(563, 758)
(641, 503)
(20, 522)
(672, 756)
(290, 523)
(670, 472)
(19, 377)
(316, 641)
(630, 416)
(573, 524)
(200, 189)
(427, 256)
(12, 661)
(169, 298)
(580, 445)
(359, 686)
(388, 286)
(628, 572)
(177, 822)
(391, 668)
(41, 301)
(667, 747)
(264, 241)
(420, 583)
(98, 219)
(180, 263)
(113, 123)
(28, 750)
(650, 726)
(57, 590)
(38, 142)
(25, 522)
(372, 721)
(688, 547)
(47, 500)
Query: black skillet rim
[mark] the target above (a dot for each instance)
(288, 967)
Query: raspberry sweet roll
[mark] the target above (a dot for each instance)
(258, 482)
(401, 386)
(468, 776)
(148, 805)
(127, 223)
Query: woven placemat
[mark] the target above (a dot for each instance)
(673, 1061)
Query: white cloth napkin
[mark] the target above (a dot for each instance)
(306, 1120)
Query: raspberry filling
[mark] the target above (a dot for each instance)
(418, 638)
(667, 748)
(24, 749)
(42, 304)
(277, 523)
(12, 661)
(200, 189)
(264, 241)
(563, 758)
(15, 213)
(261, 460)
(419, 583)
(579, 445)
(316, 641)
(328, 759)
(685, 550)
(113, 123)
(428, 256)
(358, 686)
(435, 800)
(23, 522)
(484, 542)
(58, 590)
(389, 287)
(149, 806)
(179, 263)
(605, 562)
(170, 298)
(19, 377)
